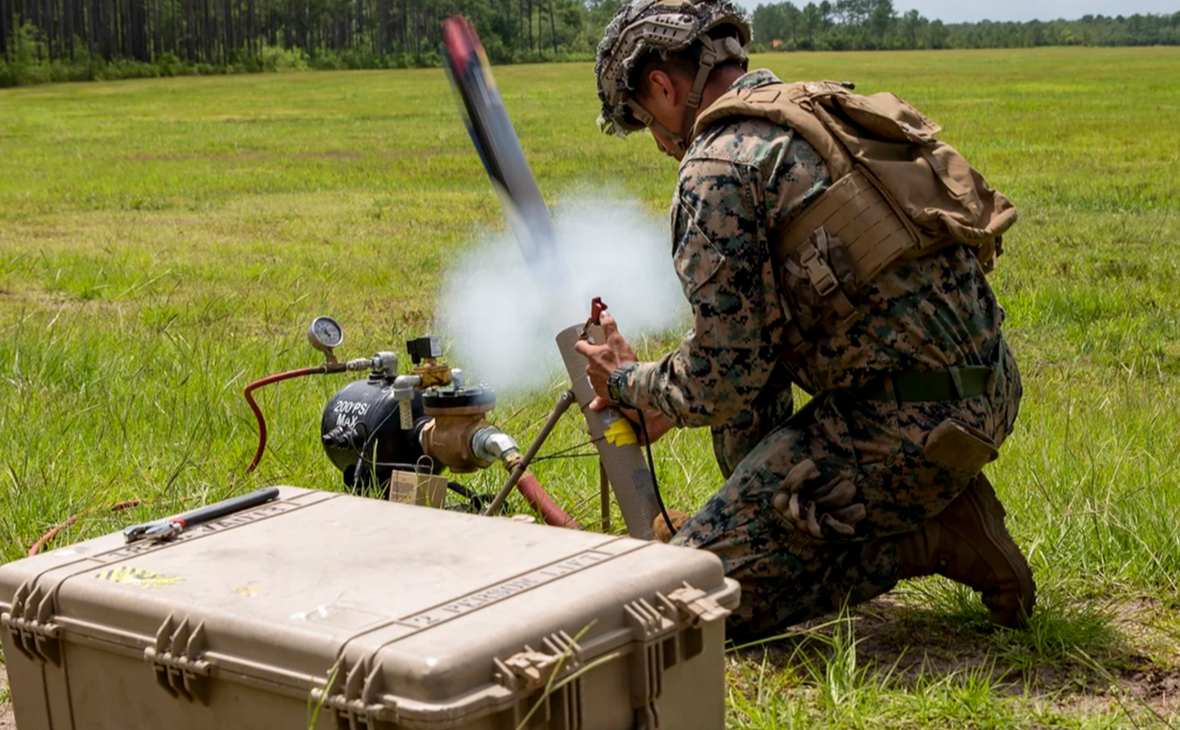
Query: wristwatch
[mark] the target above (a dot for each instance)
(614, 385)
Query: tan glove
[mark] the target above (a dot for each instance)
(660, 528)
(827, 505)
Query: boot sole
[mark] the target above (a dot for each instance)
(982, 497)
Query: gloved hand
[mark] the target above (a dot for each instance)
(812, 506)
(660, 528)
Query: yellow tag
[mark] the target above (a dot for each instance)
(137, 577)
(620, 433)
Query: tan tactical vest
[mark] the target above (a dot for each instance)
(896, 191)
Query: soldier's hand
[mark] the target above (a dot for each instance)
(605, 358)
(656, 423)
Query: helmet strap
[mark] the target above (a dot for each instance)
(712, 51)
(650, 122)
(709, 58)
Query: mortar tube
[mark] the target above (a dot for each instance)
(616, 441)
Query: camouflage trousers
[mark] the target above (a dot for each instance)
(787, 574)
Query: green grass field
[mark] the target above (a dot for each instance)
(164, 242)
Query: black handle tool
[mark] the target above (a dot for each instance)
(172, 526)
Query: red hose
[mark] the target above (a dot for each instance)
(258, 411)
(540, 501)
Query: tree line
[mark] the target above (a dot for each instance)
(875, 24)
(75, 38)
(55, 40)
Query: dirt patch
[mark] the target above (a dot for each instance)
(1118, 654)
(1154, 689)
(331, 155)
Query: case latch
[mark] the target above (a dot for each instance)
(529, 670)
(357, 697)
(534, 667)
(31, 624)
(654, 631)
(176, 660)
(697, 605)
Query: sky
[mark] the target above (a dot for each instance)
(958, 12)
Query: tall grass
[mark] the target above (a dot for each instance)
(165, 241)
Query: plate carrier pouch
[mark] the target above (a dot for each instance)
(896, 190)
(386, 616)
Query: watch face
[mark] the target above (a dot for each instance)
(614, 387)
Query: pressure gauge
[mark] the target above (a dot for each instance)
(325, 333)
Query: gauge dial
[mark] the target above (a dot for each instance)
(325, 333)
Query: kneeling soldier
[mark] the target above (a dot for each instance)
(829, 240)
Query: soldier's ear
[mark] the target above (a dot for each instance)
(659, 92)
(668, 87)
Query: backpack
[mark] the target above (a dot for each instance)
(896, 191)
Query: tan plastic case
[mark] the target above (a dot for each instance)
(386, 615)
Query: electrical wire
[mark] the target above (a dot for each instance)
(652, 468)
(553, 457)
(562, 453)
(371, 436)
(36, 547)
(475, 501)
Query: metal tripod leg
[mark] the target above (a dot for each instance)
(564, 401)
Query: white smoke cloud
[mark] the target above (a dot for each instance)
(503, 325)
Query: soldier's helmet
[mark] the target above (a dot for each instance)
(643, 27)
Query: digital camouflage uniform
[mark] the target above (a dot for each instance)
(741, 180)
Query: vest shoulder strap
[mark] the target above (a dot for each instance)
(896, 191)
(783, 104)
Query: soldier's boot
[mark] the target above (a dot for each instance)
(969, 544)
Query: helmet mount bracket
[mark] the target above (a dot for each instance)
(642, 27)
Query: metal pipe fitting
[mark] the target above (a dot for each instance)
(518, 467)
(492, 444)
(360, 363)
(403, 393)
(450, 441)
(384, 363)
(404, 385)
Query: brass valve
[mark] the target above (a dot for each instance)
(424, 353)
(458, 415)
(434, 375)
